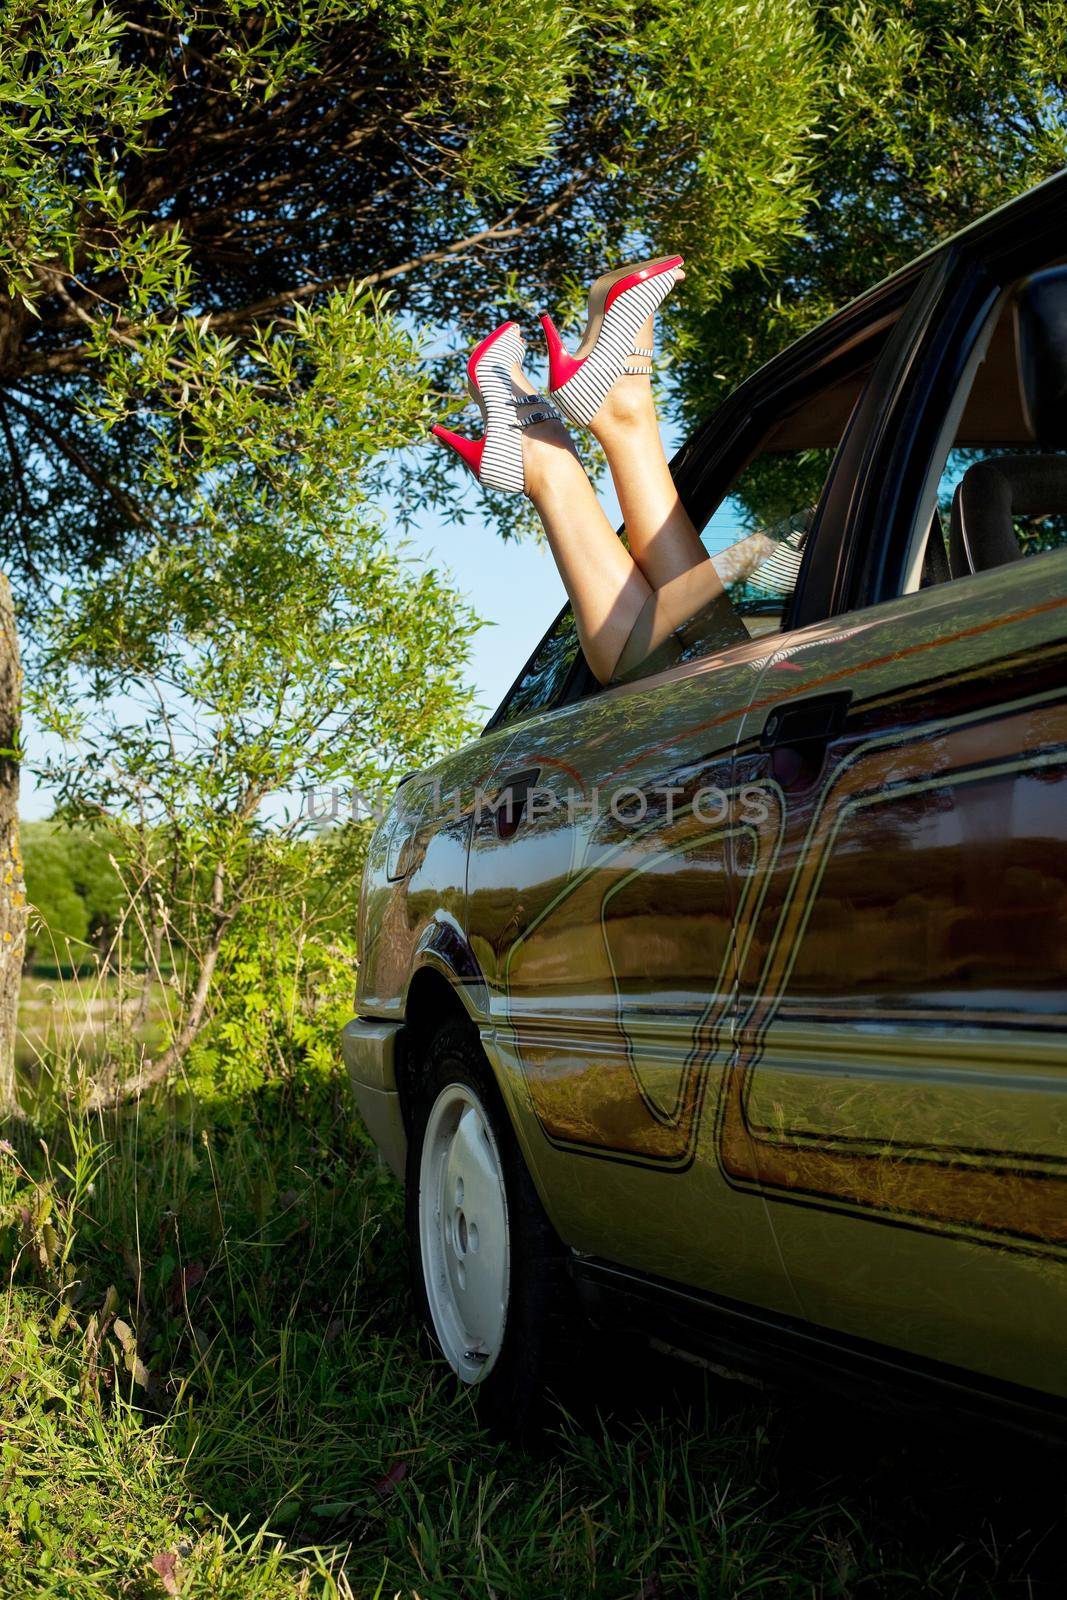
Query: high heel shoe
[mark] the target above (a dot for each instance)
(619, 303)
(496, 458)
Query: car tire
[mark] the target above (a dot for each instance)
(488, 1271)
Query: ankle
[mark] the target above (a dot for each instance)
(628, 406)
(549, 458)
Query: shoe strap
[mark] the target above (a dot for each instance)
(639, 363)
(525, 418)
(529, 418)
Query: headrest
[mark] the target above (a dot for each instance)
(990, 494)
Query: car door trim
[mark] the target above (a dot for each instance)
(755, 1340)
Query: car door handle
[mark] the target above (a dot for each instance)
(796, 737)
(510, 802)
(815, 720)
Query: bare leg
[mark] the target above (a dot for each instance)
(661, 535)
(605, 585)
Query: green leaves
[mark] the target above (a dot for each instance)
(174, 179)
(732, 180)
(273, 602)
(65, 98)
(954, 98)
(497, 79)
(268, 637)
(931, 113)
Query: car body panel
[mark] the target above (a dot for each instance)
(418, 919)
(369, 1051)
(902, 1043)
(607, 947)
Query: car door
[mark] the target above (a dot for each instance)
(899, 1093)
(601, 911)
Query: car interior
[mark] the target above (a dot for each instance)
(1000, 496)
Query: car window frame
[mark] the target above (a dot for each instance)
(923, 367)
(709, 462)
(497, 719)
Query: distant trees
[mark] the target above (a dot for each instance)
(77, 896)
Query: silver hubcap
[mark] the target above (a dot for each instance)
(463, 1232)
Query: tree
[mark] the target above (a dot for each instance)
(12, 888)
(178, 176)
(273, 637)
(935, 112)
(230, 160)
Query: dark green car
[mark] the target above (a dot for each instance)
(728, 1003)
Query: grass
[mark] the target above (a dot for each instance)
(86, 1014)
(210, 1386)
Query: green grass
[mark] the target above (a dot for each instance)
(266, 1423)
(86, 1014)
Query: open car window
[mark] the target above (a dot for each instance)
(998, 495)
(755, 527)
(543, 678)
(756, 539)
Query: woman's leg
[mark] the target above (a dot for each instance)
(607, 589)
(659, 531)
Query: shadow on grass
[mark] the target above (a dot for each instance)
(269, 1374)
(902, 1502)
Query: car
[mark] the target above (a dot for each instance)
(726, 1004)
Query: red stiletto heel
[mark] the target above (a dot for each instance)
(620, 303)
(496, 458)
(561, 364)
(468, 450)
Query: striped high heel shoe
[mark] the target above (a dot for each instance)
(619, 303)
(496, 458)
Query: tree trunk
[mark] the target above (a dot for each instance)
(12, 882)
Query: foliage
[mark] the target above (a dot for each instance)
(274, 631)
(198, 159)
(935, 111)
(269, 640)
(287, 967)
(76, 893)
(225, 162)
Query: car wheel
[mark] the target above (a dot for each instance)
(488, 1271)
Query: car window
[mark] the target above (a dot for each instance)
(1039, 523)
(755, 534)
(541, 680)
(756, 537)
(998, 495)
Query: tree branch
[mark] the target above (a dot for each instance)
(506, 230)
(156, 1071)
(80, 460)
